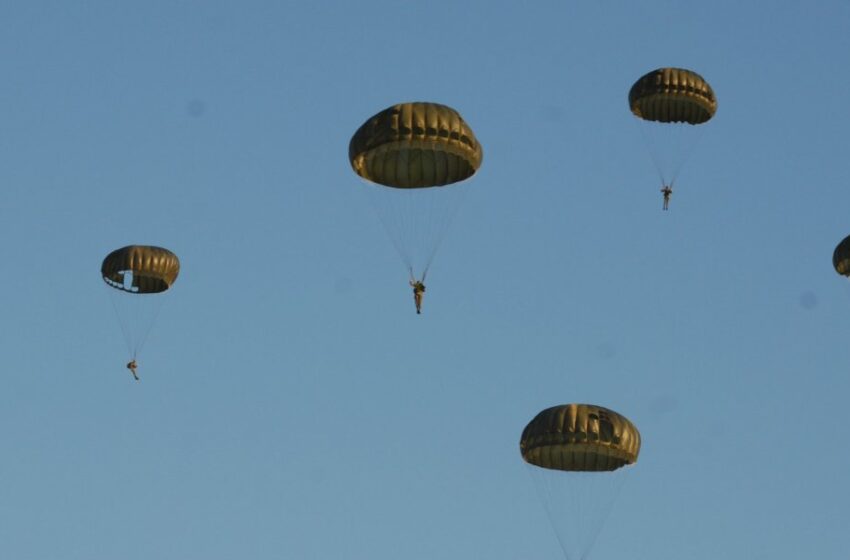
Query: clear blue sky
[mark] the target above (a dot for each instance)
(292, 405)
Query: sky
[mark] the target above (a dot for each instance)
(291, 402)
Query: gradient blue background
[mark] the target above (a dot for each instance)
(292, 405)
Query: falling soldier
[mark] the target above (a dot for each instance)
(667, 191)
(418, 292)
(131, 365)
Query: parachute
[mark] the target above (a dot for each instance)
(669, 103)
(136, 275)
(841, 257)
(673, 95)
(415, 145)
(140, 269)
(412, 155)
(580, 437)
(576, 453)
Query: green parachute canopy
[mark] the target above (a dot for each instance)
(580, 437)
(841, 257)
(140, 269)
(415, 145)
(672, 95)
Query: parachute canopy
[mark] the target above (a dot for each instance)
(580, 437)
(415, 145)
(841, 257)
(672, 95)
(140, 269)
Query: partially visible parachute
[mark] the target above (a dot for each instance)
(138, 274)
(670, 102)
(577, 454)
(413, 155)
(841, 257)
